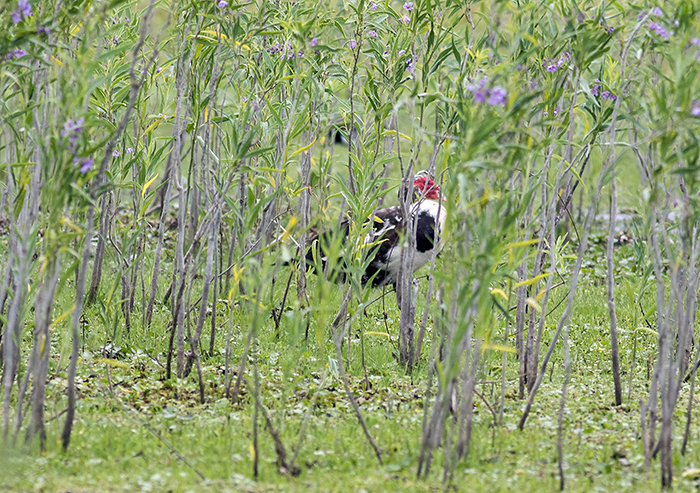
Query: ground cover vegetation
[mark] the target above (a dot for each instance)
(166, 165)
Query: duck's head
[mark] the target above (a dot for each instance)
(424, 187)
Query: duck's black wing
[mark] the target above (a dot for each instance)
(387, 231)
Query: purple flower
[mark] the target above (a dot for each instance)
(552, 67)
(410, 67)
(43, 29)
(472, 87)
(497, 96)
(609, 29)
(116, 41)
(641, 15)
(25, 7)
(18, 53)
(659, 30)
(24, 10)
(696, 109)
(72, 129)
(478, 89)
(373, 6)
(596, 91)
(129, 150)
(408, 6)
(314, 41)
(87, 165)
(116, 153)
(353, 44)
(372, 34)
(492, 96)
(656, 11)
(401, 52)
(222, 4)
(405, 19)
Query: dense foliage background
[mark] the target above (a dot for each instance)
(165, 164)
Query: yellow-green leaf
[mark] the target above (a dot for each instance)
(393, 132)
(501, 292)
(518, 244)
(148, 184)
(532, 302)
(62, 317)
(303, 148)
(500, 347)
(251, 451)
(384, 334)
(527, 282)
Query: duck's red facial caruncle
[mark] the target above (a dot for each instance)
(426, 187)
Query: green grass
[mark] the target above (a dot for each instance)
(112, 450)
